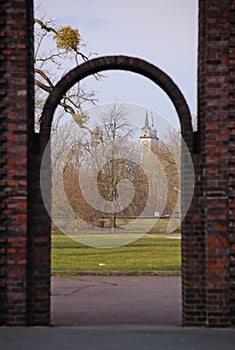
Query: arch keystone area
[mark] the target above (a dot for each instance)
(125, 63)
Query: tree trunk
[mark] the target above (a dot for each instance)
(113, 220)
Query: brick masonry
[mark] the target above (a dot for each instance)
(16, 104)
(208, 244)
(24, 259)
(216, 126)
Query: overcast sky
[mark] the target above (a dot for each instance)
(163, 32)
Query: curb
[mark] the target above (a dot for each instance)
(66, 273)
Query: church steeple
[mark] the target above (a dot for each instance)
(146, 121)
(154, 130)
(148, 136)
(149, 131)
(152, 126)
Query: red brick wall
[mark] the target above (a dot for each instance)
(193, 254)
(231, 161)
(216, 111)
(24, 223)
(16, 102)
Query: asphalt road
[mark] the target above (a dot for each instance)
(114, 300)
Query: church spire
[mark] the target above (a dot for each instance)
(148, 136)
(146, 120)
(152, 125)
(146, 125)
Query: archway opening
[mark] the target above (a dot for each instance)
(125, 63)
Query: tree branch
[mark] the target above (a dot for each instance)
(44, 26)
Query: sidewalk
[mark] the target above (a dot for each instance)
(110, 339)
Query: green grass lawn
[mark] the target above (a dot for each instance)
(151, 252)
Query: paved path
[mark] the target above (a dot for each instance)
(115, 300)
(97, 339)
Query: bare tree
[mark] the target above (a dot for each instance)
(57, 50)
(169, 153)
(105, 165)
(101, 157)
(66, 144)
(109, 139)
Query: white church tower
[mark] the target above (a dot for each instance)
(149, 138)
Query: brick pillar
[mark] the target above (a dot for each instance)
(16, 106)
(39, 234)
(193, 254)
(231, 161)
(214, 110)
(3, 170)
(193, 228)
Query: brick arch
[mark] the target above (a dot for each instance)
(90, 67)
(125, 63)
